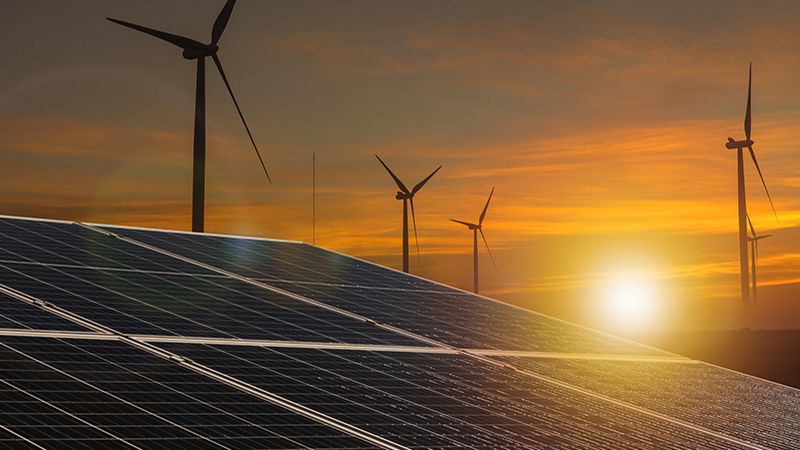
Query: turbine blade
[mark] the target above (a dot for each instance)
(464, 223)
(244, 122)
(764, 183)
(483, 214)
(764, 236)
(414, 221)
(747, 114)
(752, 230)
(180, 41)
(487, 248)
(397, 181)
(222, 21)
(422, 183)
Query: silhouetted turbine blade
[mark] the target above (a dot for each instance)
(422, 183)
(752, 230)
(180, 41)
(222, 21)
(397, 181)
(764, 236)
(764, 183)
(414, 221)
(464, 223)
(487, 248)
(747, 114)
(235, 103)
(483, 214)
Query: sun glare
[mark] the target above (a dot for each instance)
(631, 302)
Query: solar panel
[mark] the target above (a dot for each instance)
(728, 402)
(62, 243)
(18, 314)
(444, 400)
(70, 393)
(212, 341)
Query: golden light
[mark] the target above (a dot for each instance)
(630, 302)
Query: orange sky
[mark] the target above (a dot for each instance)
(602, 128)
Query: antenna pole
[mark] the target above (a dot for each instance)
(314, 198)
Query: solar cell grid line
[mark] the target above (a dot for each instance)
(719, 399)
(194, 306)
(15, 313)
(206, 413)
(524, 409)
(68, 243)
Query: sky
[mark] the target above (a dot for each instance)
(601, 126)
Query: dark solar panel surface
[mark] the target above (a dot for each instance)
(18, 314)
(444, 400)
(721, 400)
(105, 394)
(70, 244)
(425, 308)
(185, 305)
(276, 260)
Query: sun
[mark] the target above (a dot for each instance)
(631, 302)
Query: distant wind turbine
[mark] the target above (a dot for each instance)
(407, 197)
(754, 238)
(478, 228)
(197, 50)
(740, 146)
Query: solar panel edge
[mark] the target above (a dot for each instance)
(104, 226)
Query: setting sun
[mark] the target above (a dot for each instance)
(630, 302)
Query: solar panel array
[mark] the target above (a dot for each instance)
(135, 338)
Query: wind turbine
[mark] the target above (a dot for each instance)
(478, 228)
(407, 197)
(739, 146)
(197, 50)
(754, 238)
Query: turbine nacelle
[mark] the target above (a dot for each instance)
(403, 195)
(734, 144)
(195, 53)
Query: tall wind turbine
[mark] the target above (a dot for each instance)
(754, 238)
(478, 228)
(407, 197)
(197, 50)
(739, 146)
